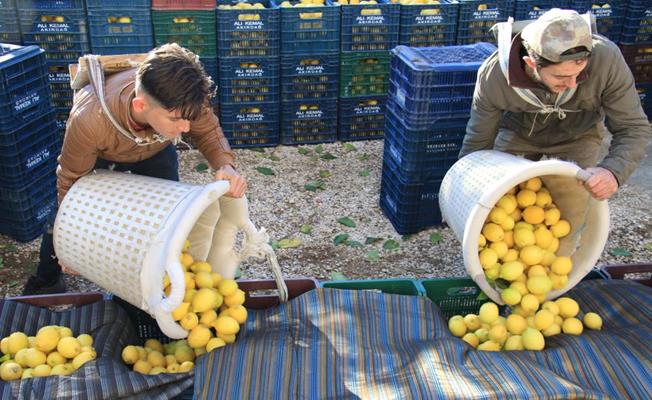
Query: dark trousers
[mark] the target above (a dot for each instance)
(163, 165)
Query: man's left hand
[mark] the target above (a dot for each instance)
(602, 184)
(237, 184)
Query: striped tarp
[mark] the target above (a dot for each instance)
(105, 378)
(339, 344)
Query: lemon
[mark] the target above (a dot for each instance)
(482, 241)
(482, 334)
(511, 270)
(492, 272)
(207, 317)
(172, 368)
(515, 324)
(229, 326)
(170, 359)
(572, 326)
(537, 270)
(239, 313)
(130, 355)
(206, 299)
(4, 345)
(187, 298)
(64, 331)
(85, 339)
(497, 215)
(560, 229)
(500, 248)
(533, 339)
(493, 232)
(34, 358)
(524, 237)
(514, 343)
(142, 367)
(81, 359)
(204, 280)
(63, 369)
(472, 322)
(457, 326)
(199, 336)
(227, 287)
(543, 237)
(186, 366)
(554, 246)
(510, 256)
(510, 296)
(530, 303)
(552, 330)
(489, 346)
(157, 370)
(498, 321)
(521, 278)
(507, 203)
(189, 321)
(47, 338)
(551, 306)
(548, 257)
(488, 312)
(531, 255)
(142, 353)
(189, 280)
(508, 238)
(16, 342)
(558, 281)
(201, 266)
(519, 310)
(526, 198)
(186, 260)
(186, 245)
(488, 258)
(155, 345)
(180, 311)
(156, 359)
(539, 285)
(27, 373)
(54, 359)
(559, 320)
(520, 287)
(69, 347)
(551, 216)
(217, 278)
(533, 215)
(592, 321)
(235, 299)
(543, 199)
(516, 215)
(41, 371)
(533, 184)
(215, 343)
(10, 371)
(471, 339)
(498, 334)
(543, 319)
(562, 265)
(184, 354)
(568, 308)
(200, 350)
(227, 338)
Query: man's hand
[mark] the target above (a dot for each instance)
(602, 184)
(237, 184)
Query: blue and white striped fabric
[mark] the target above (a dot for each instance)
(341, 344)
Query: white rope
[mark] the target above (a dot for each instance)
(256, 245)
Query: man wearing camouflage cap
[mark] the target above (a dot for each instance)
(546, 92)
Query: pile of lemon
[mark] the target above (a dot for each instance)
(304, 3)
(155, 358)
(53, 351)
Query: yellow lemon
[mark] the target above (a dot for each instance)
(489, 345)
(533, 184)
(17, 341)
(64, 331)
(592, 321)
(548, 257)
(180, 311)
(519, 310)
(186, 245)
(543, 319)
(69, 347)
(562, 265)
(552, 216)
(472, 322)
(516, 215)
(493, 272)
(572, 326)
(543, 199)
(227, 287)
(560, 229)
(539, 285)
(543, 237)
(172, 368)
(500, 248)
(55, 358)
(81, 359)
(186, 260)
(204, 280)
(201, 266)
(552, 330)
(215, 343)
(524, 237)
(154, 344)
(235, 299)
(510, 296)
(157, 370)
(184, 354)
(508, 238)
(516, 324)
(551, 306)
(493, 232)
(533, 339)
(471, 339)
(130, 355)
(482, 241)
(507, 203)
(189, 321)
(488, 258)
(206, 299)
(533, 215)
(554, 246)
(62, 369)
(189, 280)
(217, 278)
(34, 358)
(530, 303)
(482, 334)
(199, 336)
(457, 326)
(85, 339)
(511, 255)
(558, 281)
(520, 287)
(156, 359)
(497, 215)
(41, 371)
(498, 334)
(526, 198)
(488, 312)
(229, 326)
(142, 367)
(568, 308)
(531, 255)
(186, 366)
(514, 343)
(187, 298)
(239, 313)
(10, 371)
(227, 338)
(207, 317)
(47, 338)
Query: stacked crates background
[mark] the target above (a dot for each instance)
(424, 25)
(476, 17)
(430, 95)
(369, 32)
(9, 26)
(60, 28)
(310, 45)
(120, 26)
(248, 46)
(609, 15)
(29, 142)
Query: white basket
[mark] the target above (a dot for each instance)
(125, 231)
(476, 182)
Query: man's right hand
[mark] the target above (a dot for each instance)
(602, 184)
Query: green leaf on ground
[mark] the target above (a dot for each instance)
(257, 149)
(274, 244)
(2, 262)
(341, 238)
(346, 221)
(364, 173)
(362, 157)
(338, 276)
(265, 171)
(201, 167)
(314, 158)
(373, 255)
(349, 147)
(372, 240)
(324, 173)
(328, 156)
(648, 246)
(303, 151)
(311, 187)
(390, 245)
(274, 158)
(354, 243)
(620, 252)
(435, 238)
(289, 243)
(319, 149)
(305, 228)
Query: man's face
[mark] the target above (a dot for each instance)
(559, 77)
(167, 123)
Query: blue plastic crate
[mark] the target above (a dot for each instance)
(249, 80)
(127, 4)
(249, 32)
(314, 76)
(416, 68)
(478, 16)
(309, 121)
(250, 125)
(410, 207)
(361, 118)
(448, 101)
(120, 30)
(210, 66)
(22, 232)
(19, 204)
(640, 53)
(429, 24)
(193, 29)
(61, 33)
(5, 4)
(423, 154)
(27, 225)
(310, 30)
(645, 94)
(533, 9)
(609, 19)
(51, 4)
(19, 65)
(370, 27)
(61, 117)
(637, 25)
(25, 102)
(9, 26)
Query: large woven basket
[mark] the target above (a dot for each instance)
(476, 182)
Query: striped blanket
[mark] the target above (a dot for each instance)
(339, 344)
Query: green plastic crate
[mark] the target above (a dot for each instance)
(192, 29)
(364, 73)
(407, 287)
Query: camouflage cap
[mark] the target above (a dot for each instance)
(557, 31)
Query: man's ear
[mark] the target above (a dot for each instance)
(139, 103)
(529, 61)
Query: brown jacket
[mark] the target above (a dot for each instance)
(91, 135)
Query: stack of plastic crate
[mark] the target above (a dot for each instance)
(59, 27)
(425, 25)
(369, 32)
(478, 16)
(609, 15)
(532, 9)
(189, 23)
(29, 142)
(248, 45)
(636, 45)
(310, 45)
(430, 95)
(120, 26)
(9, 26)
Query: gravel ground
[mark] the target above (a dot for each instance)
(350, 177)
